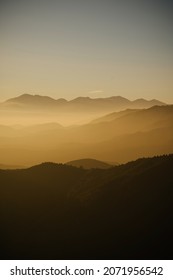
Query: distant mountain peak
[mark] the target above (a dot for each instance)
(29, 98)
(87, 107)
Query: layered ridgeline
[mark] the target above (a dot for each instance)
(55, 211)
(116, 137)
(35, 108)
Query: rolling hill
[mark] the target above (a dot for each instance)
(56, 211)
(88, 163)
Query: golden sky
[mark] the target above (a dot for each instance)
(93, 48)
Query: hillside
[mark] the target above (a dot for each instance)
(114, 115)
(89, 163)
(55, 211)
(118, 137)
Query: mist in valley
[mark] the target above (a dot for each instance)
(37, 129)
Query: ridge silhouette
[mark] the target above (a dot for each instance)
(56, 211)
(89, 163)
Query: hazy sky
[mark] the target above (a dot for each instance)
(95, 48)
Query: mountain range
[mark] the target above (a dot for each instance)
(28, 109)
(86, 178)
(116, 137)
(109, 103)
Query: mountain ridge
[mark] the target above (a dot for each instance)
(118, 137)
(35, 108)
(119, 213)
(29, 97)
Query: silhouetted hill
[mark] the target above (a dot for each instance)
(56, 211)
(89, 163)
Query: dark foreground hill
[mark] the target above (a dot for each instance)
(55, 211)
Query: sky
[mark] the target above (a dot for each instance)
(97, 48)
